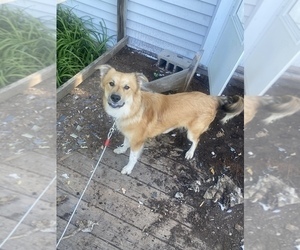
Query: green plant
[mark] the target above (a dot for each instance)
(78, 43)
(26, 45)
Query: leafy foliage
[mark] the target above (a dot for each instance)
(26, 45)
(78, 43)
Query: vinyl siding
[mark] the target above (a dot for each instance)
(45, 10)
(180, 26)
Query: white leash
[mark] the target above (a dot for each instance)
(111, 130)
(28, 211)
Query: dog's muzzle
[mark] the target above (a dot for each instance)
(115, 101)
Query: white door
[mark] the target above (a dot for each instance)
(229, 48)
(272, 42)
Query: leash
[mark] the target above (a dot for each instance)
(28, 211)
(107, 141)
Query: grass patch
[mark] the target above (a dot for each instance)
(79, 43)
(27, 45)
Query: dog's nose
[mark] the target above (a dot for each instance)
(115, 98)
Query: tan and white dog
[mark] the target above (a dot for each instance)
(140, 115)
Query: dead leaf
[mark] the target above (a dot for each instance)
(249, 171)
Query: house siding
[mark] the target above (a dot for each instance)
(44, 10)
(180, 26)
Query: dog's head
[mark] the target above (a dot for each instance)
(120, 89)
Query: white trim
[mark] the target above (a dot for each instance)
(238, 23)
(290, 24)
(231, 73)
(260, 22)
(279, 74)
(215, 31)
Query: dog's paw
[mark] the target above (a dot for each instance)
(120, 150)
(189, 154)
(127, 170)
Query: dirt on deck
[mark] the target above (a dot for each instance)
(272, 188)
(216, 170)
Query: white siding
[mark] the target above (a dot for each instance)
(45, 10)
(180, 26)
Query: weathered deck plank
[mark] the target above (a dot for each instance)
(21, 240)
(25, 182)
(142, 185)
(131, 205)
(111, 229)
(82, 240)
(42, 165)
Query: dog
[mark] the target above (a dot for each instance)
(276, 107)
(140, 115)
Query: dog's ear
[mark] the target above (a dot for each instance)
(104, 68)
(141, 78)
(103, 71)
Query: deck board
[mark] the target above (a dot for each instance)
(139, 189)
(81, 240)
(29, 183)
(28, 164)
(117, 231)
(105, 193)
(40, 164)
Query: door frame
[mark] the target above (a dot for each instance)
(271, 45)
(228, 47)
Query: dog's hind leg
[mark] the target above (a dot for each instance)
(193, 134)
(123, 148)
(194, 139)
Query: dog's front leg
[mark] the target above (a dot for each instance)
(134, 156)
(122, 149)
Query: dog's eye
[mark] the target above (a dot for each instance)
(126, 87)
(111, 84)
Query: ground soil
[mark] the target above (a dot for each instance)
(220, 152)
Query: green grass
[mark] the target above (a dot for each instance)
(27, 45)
(78, 43)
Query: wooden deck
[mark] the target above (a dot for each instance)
(27, 166)
(121, 205)
(138, 211)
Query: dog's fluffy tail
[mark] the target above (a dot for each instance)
(279, 106)
(232, 105)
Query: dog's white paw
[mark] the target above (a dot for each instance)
(127, 170)
(120, 150)
(189, 154)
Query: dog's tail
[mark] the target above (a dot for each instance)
(279, 106)
(232, 105)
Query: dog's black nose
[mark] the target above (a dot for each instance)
(115, 98)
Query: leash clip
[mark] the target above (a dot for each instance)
(110, 132)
